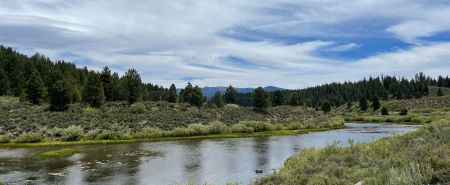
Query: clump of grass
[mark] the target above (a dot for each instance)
(58, 153)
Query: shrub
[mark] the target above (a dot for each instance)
(231, 106)
(217, 127)
(73, 133)
(403, 112)
(108, 135)
(294, 126)
(180, 132)
(150, 133)
(241, 128)
(92, 134)
(5, 138)
(137, 108)
(29, 137)
(89, 110)
(55, 132)
(198, 129)
(258, 126)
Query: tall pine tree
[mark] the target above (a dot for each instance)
(278, 98)
(36, 91)
(60, 95)
(363, 103)
(217, 99)
(172, 96)
(260, 99)
(106, 79)
(93, 91)
(230, 95)
(4, 83)
(133, 85)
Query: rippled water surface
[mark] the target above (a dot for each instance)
(215, 160)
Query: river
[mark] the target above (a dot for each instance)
(198, 161)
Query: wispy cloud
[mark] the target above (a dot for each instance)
(244, 43)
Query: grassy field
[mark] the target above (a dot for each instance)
(421, 157)
(25, 123)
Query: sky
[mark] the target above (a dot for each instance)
(286, 43)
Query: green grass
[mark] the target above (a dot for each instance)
(58, 153)
(420, 157)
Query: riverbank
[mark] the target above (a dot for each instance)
(213, 136)
(420, 157)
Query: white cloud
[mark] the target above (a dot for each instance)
(168, 41)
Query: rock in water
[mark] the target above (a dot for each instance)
(258, 171)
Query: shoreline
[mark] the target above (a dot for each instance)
(162, 139)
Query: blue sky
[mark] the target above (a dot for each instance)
(286, 43)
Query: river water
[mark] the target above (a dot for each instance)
(199, 161)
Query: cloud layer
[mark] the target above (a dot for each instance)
(244, 43)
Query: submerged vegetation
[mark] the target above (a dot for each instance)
(66, 152)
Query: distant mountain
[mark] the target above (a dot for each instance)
(209, 91)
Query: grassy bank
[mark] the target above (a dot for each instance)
(213, 136)
(421, 157)
(24, 123)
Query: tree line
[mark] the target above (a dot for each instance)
(37, 79)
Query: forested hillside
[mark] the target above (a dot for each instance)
(37, 79)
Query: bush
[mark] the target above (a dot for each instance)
(5, 138)
(180, 132)
(231, 106)
(137, 108)
(93, 134)
(55, 132)
(29, 137)
(150, 133)
(258, 126)
(198, 129)
(217, 127)
(403, 112)
(73, 133)
(108, 135)
(241, 128)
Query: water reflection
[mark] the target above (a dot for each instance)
(218, 160)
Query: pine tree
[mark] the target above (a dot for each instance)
(260, 99)
(36, 91)
(93, 91)
(4, 83)
(375, 103)
(230, 95)
(60, 95)
(295, 99)
(278, 98)
(326, 106)
(172, 97)
(363, 103)
(192, 95)
(384, 111)
(106, 80)
(217, 99)
(440, 82)
(133, 84)
(439, 92)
